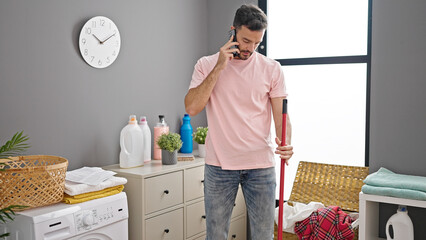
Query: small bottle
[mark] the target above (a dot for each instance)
(159, 129)
(143, 124)
(131, 142)
(401, 224)
(186, 135)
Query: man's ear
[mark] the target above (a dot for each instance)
(232, 27)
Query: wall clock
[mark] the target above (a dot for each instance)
(99, 42)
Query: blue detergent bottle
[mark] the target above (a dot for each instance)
(186, 135)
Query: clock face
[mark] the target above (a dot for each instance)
(99, 42)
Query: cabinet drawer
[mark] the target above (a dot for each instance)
(163, 191)
(237, 229)
(240, 204)
(200, 238)
(194, 187)
(195, 219)
(165, 226)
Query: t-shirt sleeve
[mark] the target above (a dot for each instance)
(198, 75)
(278, 88)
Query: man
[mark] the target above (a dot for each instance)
(239, 94)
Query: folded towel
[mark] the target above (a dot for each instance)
(89, 175)
(295, 213)
(72, 188)
(92, 195)
(387, 178)
(394, 192)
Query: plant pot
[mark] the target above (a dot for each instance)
(168, 158)
(202, 150)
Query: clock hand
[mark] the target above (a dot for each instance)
(97, 38)
(107, 38)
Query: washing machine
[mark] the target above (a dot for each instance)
(99, 219)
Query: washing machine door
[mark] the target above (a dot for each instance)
(92, 236)
(115, 231)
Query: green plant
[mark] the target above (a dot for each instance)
(7, 214)
(15, 145)
(12, 147)
(200, 135)
(170, 142)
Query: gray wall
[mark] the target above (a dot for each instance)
(220, 19)
(398, 99)
(73, 110)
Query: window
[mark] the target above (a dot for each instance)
(323, 47)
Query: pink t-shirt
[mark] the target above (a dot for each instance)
(239, 111)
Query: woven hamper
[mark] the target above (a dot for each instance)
(332, 185)
(32, 181)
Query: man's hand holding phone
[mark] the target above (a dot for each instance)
(226, 52)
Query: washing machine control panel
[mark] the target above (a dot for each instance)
(99, 216)
(85, 220)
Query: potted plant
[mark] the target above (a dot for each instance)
(169, 143)
(200, 137)
(12, 147)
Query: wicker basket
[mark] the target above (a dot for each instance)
(32, 181)
(332, 185)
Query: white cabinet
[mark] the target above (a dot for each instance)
(163, 191)
(196, 223)
(165, 226)
(167, 202)
(369, 212)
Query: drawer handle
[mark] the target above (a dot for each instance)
(166, 230)
(202, 181)
(203, 217)
(235, 204)
(234, 236)
(166, 191)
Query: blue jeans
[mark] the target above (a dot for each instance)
(220, 191)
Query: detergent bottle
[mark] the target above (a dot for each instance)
(159, 129)
(186, 135)
(401, 224)
(131, 144)
(143, 124)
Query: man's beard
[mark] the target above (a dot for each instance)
(245, 57)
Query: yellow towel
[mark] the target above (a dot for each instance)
(92, 195)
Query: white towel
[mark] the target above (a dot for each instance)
(72, 188)
(89, 175)
(298, 212)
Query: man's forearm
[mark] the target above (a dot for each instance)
(288, 131)
(196, 98)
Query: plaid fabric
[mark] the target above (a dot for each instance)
(329, 223)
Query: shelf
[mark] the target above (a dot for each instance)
(392, 200)
(369, 212)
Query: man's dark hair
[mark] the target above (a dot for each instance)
(250, 16)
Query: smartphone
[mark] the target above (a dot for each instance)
(233, 33)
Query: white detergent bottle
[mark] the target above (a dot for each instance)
(143, 124)
(131, 143)
(401, 224)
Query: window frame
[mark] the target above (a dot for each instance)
(335, 60)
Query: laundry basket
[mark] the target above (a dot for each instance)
(32, 181)
(332, 185)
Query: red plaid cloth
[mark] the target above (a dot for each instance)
(328, 223)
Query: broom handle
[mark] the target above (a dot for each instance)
(281, 200)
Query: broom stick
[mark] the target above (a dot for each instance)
(281, 196)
